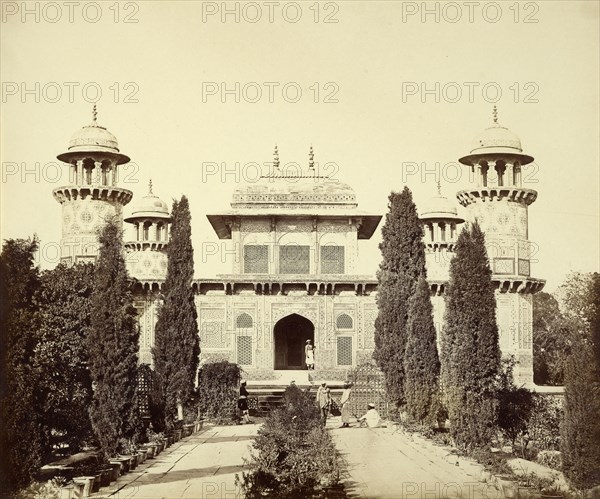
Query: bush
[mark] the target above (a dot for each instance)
(550, 458)
(296, 455)
(218, 384)
(544, 422)
(515, 404)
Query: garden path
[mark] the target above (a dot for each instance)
(202, 465)
(390, 463)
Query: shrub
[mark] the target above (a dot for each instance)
(550, 458)
(544, 422)
(515, 404)
(218, 384)
(296, 455)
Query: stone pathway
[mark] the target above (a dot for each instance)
(200, 466)
(389, 463)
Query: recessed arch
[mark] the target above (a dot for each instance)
(290, 334)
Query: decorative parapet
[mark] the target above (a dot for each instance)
(439, 246)
(103, 193)
(143, 245)
(524, 285)
(514, 194)
(287, 285)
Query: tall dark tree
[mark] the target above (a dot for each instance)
(403, 261)
(20, 427)
(421, 363)
(113, 346)
(552, 338)
(470, 351)
(64, 301)
(580, 429)
(176, 344)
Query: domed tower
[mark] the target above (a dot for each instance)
(93, 194)
(440, 226)
(499, 202)
(146, 252)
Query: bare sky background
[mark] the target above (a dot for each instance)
(374, 130)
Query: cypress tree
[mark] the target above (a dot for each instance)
(580, 428)
(20, 426)
(422, 364)
(176, 343)
(470, 350)
(403, 261)
(113, 346)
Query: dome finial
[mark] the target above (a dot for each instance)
(311, 159)
(439, 188)
(94, 114)
(150, 187)
(495, 115)
(276, 158)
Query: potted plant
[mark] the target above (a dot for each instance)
(552, 492)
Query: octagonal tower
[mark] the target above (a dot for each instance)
(146, 251)
(499, 202)
(441, 227)
(93, 194)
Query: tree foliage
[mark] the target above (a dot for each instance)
(20, 429)
(64, 299)
(176, 345)
(218, 384)
(580, 431)
(403, 261)
(552, 338)
(422, 364)
(470, 351)
(113, 346)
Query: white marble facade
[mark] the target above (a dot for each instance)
(295, 241)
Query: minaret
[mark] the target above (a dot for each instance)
(440, 227)
(146, 251)
(93, 195)
(499, 202)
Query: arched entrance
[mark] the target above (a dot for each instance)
(290, 334)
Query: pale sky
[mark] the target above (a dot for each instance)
(368, 62)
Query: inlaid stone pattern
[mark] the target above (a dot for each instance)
(146, 264)
(82, 220)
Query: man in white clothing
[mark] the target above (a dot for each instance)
(371, 418)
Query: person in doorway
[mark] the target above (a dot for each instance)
(324, 402)
(243, 403)
(309, 353)
(345, 405)
(371, 418)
